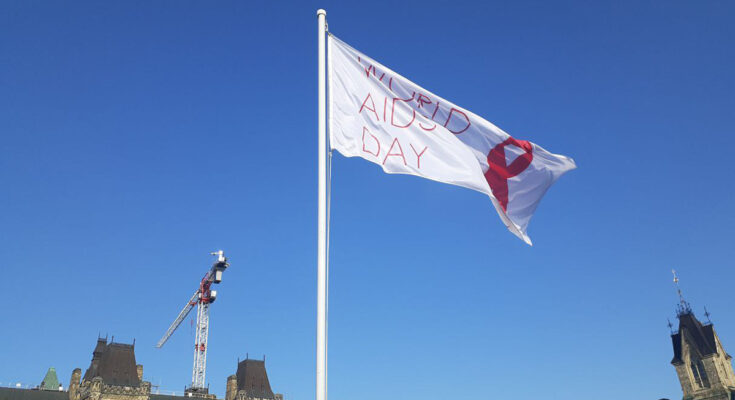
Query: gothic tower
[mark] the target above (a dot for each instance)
(702, 365)
(112, 375)
(250, 382)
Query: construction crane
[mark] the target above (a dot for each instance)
(202, 298)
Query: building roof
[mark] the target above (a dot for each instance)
(50, 381)
(114, 363)
(32, 394)
(252, 378)
(700, 337)
(165, 397)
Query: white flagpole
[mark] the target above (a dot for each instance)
(321, 308)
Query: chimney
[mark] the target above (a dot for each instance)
(76, 376)
(139, 368)
(231, 393)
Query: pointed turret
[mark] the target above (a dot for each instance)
(250, 382)
(253, 379)
(702, 365)
(114, 363)
(50, 381)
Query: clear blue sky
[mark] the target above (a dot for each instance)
(135, 137)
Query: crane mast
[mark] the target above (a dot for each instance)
(202, 299)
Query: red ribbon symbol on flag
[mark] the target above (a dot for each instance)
(499, 173)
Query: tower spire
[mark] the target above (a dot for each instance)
(683, 307)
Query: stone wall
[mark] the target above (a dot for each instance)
(98, 390)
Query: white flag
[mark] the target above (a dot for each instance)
(384, 118)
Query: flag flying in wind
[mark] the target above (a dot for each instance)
(384, 118)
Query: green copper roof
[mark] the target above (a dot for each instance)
(50, 381)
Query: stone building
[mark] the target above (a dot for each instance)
(113, 374)
(250, 382)
(702, 365)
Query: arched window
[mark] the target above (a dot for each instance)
(700, 374)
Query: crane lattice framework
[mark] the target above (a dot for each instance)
(202, 298)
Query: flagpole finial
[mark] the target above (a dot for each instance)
(321, 11)
(683, 307)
